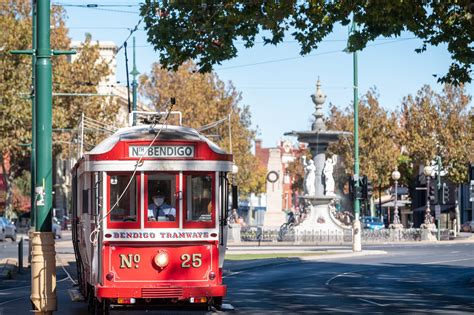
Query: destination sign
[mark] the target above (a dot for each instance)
(162, 151)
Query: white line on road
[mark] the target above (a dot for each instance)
(445, 261)
(372, 302)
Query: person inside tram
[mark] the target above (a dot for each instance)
(159, 210)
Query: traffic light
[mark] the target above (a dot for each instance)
(445, 194)
(367, 188)
(432, 192)
(354, 192)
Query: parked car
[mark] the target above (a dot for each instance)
(468, 226)
(56, 227)
(372, 223)
(7, 229)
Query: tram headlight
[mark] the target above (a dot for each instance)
(162, 259)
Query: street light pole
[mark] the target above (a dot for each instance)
(396, 218)
(428, 219)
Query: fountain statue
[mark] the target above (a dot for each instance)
(320, 197)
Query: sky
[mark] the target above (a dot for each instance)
(276, 82)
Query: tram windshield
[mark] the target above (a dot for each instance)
(161, 205)
(199, 198)
(126, 208)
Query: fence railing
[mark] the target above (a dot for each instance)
(259, 234)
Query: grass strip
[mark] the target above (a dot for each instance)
(273, 255)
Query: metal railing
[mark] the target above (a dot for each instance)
(259, 234)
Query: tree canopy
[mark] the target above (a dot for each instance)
(204, 99)
(379, 146)
(207, 31)
(436, 124)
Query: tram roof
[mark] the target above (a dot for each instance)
(146, 132)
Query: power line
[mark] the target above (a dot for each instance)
(310, 55)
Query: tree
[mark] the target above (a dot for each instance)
(204, 99)
(207, 31)
(82, 75)
(378, 144)
(439, 125)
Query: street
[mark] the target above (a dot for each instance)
(420, 278)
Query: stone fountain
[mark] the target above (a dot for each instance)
(319, 197)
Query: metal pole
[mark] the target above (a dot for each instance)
(20, 255)
(396, 218)
(43, 262)
(356, 246)
(43, 88)
(33, 120)
(438, 186)
(134, 73)
(428, 210)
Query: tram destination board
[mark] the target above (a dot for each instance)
(162, 151)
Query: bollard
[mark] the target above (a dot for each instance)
(20, 255)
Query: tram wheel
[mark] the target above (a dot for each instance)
(216, 302)
(101, 308)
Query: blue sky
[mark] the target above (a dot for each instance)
(278, 91)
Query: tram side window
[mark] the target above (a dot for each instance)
(126, 208)
(199, 198)
(161, 205)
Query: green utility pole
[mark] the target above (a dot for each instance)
(43, 90)
(33, 116)
(43, 255)
(134, 73)
(356, 247)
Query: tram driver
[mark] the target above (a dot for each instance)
(159, 210)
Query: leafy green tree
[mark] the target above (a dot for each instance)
(206, 31)
(439, 125)
(204, 99)
(378, 144)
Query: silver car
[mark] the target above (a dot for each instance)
(7, 229)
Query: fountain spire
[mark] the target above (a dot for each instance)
(318, 99)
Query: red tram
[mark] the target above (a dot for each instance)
(149, 211)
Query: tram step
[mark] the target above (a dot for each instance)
(75, 295)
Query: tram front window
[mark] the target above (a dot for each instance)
(199, 198)
(161, 206)
(125, 210)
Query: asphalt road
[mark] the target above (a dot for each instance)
(421, 278)
(409, 279)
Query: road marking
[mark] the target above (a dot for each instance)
(342, 275)
(13, 300)
(372, 302)
(445, 261)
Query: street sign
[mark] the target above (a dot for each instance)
(437, 211)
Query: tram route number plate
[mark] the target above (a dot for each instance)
(161, 151)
